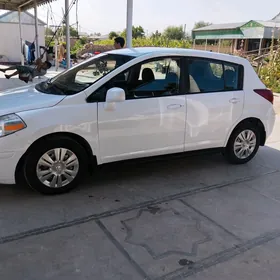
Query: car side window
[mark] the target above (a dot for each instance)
(231, 76)
(119, 81)
(152, 78)
(212, 76)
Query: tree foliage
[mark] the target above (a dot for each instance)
(174, 33)
(137, 32)
(113, 35)
(201, 24)
(73, 31)
(156, 34)
(270, 72)
(49, 32)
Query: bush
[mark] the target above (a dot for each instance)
(270, 73)
(153, 42)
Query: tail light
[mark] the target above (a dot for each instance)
(265, 93)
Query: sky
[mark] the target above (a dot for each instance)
(103, 16)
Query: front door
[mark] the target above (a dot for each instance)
(151, 121)
(214, 102)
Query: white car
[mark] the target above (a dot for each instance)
(116, 106)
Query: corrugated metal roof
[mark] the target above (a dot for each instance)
(276, 18)
(14, 5)
(26, 18)
(275, 22)
(269, 23)
(221, 26)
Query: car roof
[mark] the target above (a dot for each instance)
(136, 52)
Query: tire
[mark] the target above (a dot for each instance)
(74, 162)
(233, 152)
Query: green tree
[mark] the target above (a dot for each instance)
(83, 40)
(73, 31)
(113, 35)
(49, 32)
(156, 35)
(174, 33)
(137, 32)
(201, 24)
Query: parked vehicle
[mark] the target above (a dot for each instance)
(116, 106)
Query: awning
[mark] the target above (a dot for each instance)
(217, 37)
(14, 5)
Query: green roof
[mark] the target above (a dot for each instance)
(250, 29)
(221, 26)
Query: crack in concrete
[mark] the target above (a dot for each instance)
(221, 257)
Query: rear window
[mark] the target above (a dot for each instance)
(207, 75)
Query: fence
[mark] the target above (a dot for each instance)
(214, 48)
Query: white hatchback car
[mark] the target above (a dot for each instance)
(127, 104)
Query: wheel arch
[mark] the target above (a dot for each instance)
(83, 142)
(255, 121)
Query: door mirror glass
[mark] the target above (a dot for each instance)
(115, 94)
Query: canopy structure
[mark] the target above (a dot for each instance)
(15, 5)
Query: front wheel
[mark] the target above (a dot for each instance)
(243, 144)
(55, 166)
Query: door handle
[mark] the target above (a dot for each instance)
(174, 106)
(234, 100)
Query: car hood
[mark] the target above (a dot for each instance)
(26, 98)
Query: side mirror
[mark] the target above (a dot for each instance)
(115, 95)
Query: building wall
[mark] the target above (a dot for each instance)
(268, 31)
(253, 32)
(10, 39)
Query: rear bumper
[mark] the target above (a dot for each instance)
(269, 122)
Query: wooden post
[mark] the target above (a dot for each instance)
(193, 43)
(219, 45)
(260, 46)
(56, 55)
(206, 44)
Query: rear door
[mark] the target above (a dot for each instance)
(214, 101)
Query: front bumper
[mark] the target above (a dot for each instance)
(8, 164)
(12, 148)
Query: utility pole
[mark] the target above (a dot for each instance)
(36, 30)
(129, 18)
(67, 34)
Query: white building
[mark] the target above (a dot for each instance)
(10, 45)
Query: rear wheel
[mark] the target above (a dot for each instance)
(55, 166)
(243, 144)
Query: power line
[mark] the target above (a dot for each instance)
(65, 15)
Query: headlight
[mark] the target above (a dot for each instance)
(10, 124)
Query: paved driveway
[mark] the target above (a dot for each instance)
(193, 217)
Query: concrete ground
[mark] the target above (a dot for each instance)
(182, 218)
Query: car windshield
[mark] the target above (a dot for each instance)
(83, 75)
